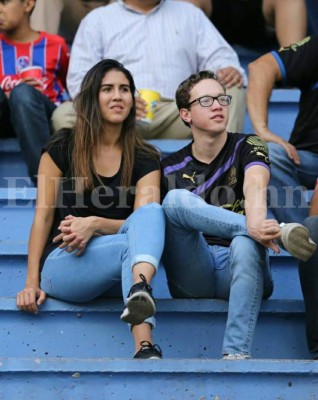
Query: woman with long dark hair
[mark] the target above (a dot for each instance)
(98, 224)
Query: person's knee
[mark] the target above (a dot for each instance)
(3, 97)
(276, 152)
(21, 95)
(64, 116)
(312, 224)
(175, 198)
(246, 252)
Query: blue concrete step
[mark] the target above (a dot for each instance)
(185, 329)
(184, 379)
(13, 264)
(16, 215)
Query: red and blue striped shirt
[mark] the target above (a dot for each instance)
(49, 52)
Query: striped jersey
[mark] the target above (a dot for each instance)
(219, 183)
(49, 52)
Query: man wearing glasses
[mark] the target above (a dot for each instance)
(217, 234)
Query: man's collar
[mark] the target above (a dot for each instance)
(122, 2)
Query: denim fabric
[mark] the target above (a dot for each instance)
(239, 273)
(107, 260)
(287, 201)
(6, 129)
(308, 273)
(30, 114)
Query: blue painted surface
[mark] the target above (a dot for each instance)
(184, 379)
(94, 330)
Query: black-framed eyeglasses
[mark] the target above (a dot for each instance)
(207, 101)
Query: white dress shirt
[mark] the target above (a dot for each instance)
(160, 48)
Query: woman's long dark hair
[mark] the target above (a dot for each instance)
(89, 128)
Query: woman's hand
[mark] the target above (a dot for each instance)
(30, 298)
(75, 234)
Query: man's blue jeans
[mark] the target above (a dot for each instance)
(287, 200)
(239, 273)
(107, 260)
(30, 114)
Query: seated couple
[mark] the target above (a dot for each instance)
(105, 235)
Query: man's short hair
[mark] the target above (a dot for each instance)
(185, 87)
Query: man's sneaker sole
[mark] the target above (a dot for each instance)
(140, 306)
(296, 240)
(236, 357)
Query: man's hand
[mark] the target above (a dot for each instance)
(141, 108)
(36, 83)
(268, 231)
(291, 151)
(230, 77)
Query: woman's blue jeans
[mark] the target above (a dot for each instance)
(287, 197)
(239, 273)
(107, 260)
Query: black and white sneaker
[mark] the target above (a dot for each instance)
(140, 303)
(149, 351)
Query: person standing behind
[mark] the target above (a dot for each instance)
(27, 104)
(294, 163)
(97, 201)
(271, 22)
(156, 42)
(308, 273)
(217, 233)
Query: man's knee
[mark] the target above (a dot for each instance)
(312, 224)
(237, 110)
(21, 94)
(64, 116)
(276, 152)
(244, 247)
(175, 197)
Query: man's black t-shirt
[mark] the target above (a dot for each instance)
(219, 183)
(299, 68)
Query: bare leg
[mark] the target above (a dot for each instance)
(146, 269)
(141, 333)
(289, 17)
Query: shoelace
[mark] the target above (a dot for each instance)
(145, 345)
(144, 280)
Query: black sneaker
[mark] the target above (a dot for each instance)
(140, 303)
(149, 351)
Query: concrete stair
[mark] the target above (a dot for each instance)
(83, 351)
